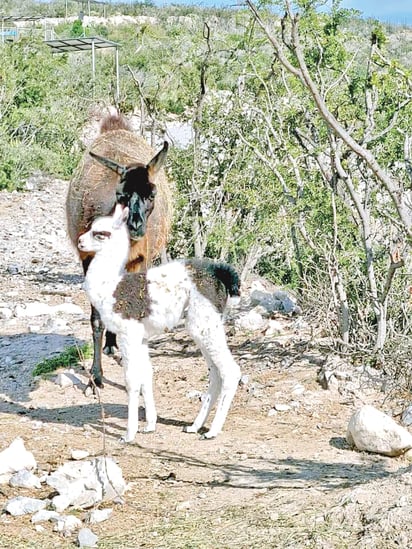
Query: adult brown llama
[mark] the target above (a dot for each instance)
(120, 167)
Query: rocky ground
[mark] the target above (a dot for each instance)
(281, 475)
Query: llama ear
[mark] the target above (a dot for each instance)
(111, 164)
(120, 216)
(157, 161)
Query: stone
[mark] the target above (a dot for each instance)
(287, 302)
(263, 299)
(33, 309)
(281, 407)
(64, 380)
(25, 479)
(67, 524)
(44, 515)
(251, 321)
(79, 454)
(15, 458)
(86, 538)
(194, 395)
(69, 309)
(5, 313)
(373, 431)
(61, 503)
(298, 389)
(83, 484)
(22, 505)
(407, 416)
(274, 328)
(99, 515)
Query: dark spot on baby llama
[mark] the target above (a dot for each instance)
(215, 281)
(132, 296)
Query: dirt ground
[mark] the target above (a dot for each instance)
(281, 478)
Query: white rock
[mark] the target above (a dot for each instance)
(274, 328)
(110, 476)
(25, 479)
(21, 505)
(61, 503)
(63, 380)
(183, 506)
(5, 313)
(67, 379)
(99, 515)
(34, 328)
(67, 524)
(244, 380)
(86, 538)
(44, 515)
(68, 309)
(15, 458)
(251, 321)
(373, 431)
(33, 309)
(298, 389)
(82, 484)
(194, 394)
(79, 454)
(57, 325)
(281, 407)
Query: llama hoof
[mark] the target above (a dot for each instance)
(92, 389)
(149, 429)
(126, 439)
(110, 350)
(207, 436)
(189, 429)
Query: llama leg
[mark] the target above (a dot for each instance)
(206, 327)
(230, 374)
(208, 400)
(110, 345)
(138, 376)
(147, 389)
(97, 331)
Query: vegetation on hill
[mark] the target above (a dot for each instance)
(300, 166)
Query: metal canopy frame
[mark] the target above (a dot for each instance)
(83, 43)
(13, 18)
(13, 31)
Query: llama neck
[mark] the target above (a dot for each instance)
(104, 273)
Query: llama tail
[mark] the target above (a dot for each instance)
(228, 276)
(217, 281)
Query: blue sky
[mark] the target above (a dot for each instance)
(393, 11)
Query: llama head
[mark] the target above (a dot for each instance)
(109, 231)
(136, 189)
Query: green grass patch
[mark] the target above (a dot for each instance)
(69, 358)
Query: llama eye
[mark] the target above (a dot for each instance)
(101, 235)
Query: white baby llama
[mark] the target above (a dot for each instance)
(137, 305)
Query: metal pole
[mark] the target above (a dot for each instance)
(117, 76)
(93, 66)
